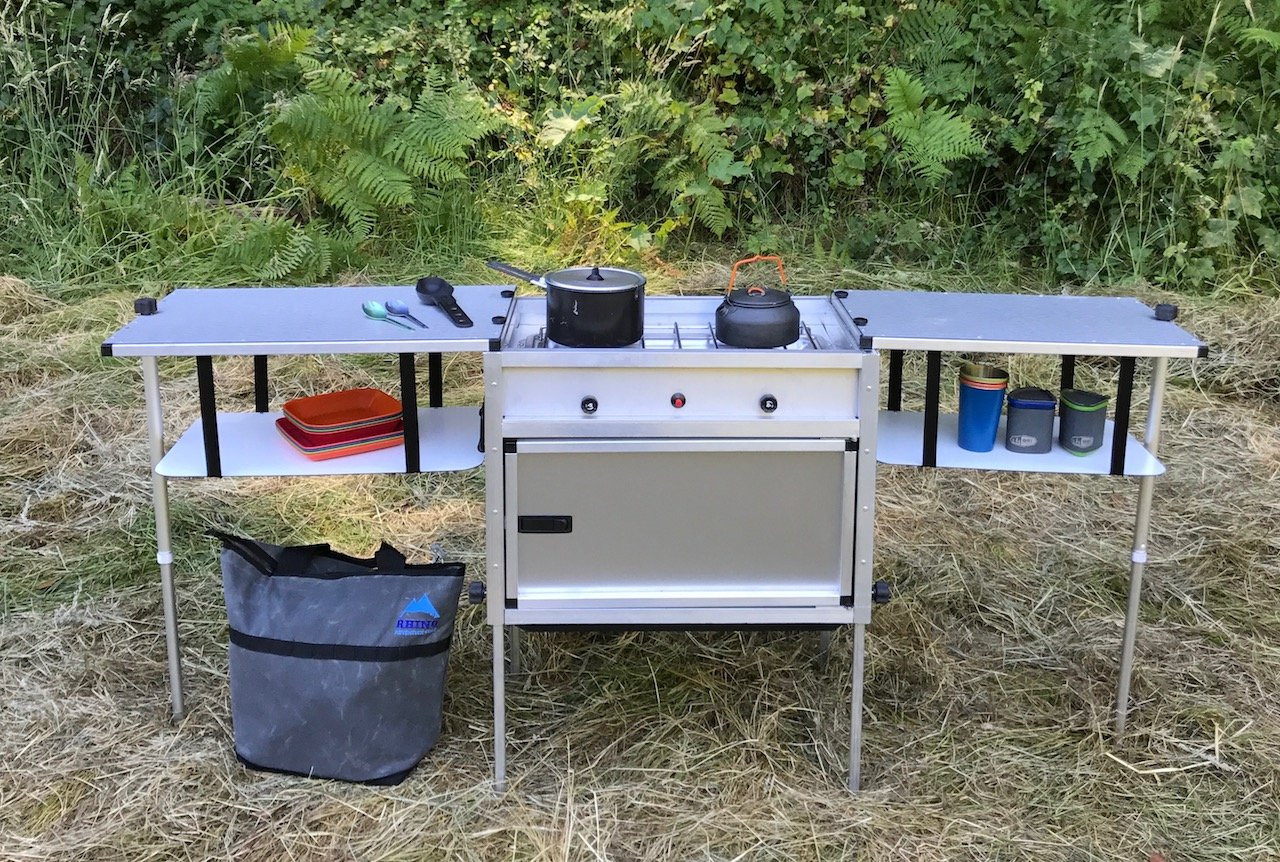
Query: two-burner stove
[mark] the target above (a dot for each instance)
(688, 323)
(679, 482)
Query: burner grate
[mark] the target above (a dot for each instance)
(661, 335)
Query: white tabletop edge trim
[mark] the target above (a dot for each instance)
(1061, 348)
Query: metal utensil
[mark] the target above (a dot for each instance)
(399, 309)
(375, 310)
(436, 291)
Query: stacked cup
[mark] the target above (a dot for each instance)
(982, 389)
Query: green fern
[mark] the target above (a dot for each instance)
(934, 44)
(361, 157)
(1095, 138)
(929, 138)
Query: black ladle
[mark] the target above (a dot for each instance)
(436, 291)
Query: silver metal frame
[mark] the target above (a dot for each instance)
(1138, 559)
(164, 545)
(148, 347)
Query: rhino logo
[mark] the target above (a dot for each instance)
(418, 617)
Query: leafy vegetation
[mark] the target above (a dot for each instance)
(291, 139)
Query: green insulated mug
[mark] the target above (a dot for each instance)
(1082, 421)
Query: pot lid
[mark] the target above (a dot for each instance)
(758, 297)
(595, 279)
(1033, 398)
(1082, 400)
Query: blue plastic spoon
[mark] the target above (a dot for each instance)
(399, 309)
(375, 310)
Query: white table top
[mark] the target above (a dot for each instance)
(1017, 323)
(244, 321)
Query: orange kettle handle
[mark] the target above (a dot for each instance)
(733, 273)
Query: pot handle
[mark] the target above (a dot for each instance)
(733, 273)
(522, 274)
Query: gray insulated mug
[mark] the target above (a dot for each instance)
(1083, 420)
(1029, 426)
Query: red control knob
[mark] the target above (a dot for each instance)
(677, 400)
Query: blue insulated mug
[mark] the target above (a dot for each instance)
(981, 404)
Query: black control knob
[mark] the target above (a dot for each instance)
(881, 593)
(145, 305)
(476, 592)
(678, 400)
(768, 403)
(590, 405)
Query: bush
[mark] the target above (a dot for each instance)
(1103, 138)
(1098, 138)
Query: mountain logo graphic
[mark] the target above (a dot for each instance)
(419, 617)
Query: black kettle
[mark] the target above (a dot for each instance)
(755, 316)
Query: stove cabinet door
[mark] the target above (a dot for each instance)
(679, 523)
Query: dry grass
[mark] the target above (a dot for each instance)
(990, 677)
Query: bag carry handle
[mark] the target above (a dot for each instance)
(389, 559)
(246, 548)
(296, 559)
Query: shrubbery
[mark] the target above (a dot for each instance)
(1101, 139)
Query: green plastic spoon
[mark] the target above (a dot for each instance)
(375, 310)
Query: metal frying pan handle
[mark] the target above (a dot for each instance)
(522, 274)
(733, 273)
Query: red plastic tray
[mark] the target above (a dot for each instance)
(321, 447)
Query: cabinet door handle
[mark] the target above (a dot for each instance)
(544, 523)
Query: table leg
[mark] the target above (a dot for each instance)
(855, 708)
(1138, 559)
(499, 713)
(164, 547)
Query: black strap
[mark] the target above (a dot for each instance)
(208, 416)
(895, 380)
(297, 559)
(260, 400)
(932, 383)
(337, 652)
(1068, 378)
(295, 562)
(246, 548)
(389, 560)
(435, 380)
(1124, 401)
(409, 413)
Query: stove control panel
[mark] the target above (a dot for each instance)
(671, 401)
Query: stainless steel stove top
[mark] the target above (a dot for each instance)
(688, 323)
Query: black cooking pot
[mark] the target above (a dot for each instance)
(589, 306)
(757, 316)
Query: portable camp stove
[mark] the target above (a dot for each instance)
(680, 482)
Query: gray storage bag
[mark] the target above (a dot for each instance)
(337, 664)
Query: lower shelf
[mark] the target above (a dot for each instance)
(900, 435)
(251, 445)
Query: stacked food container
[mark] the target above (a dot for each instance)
(342, 423)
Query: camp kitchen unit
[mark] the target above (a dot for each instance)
(674, 482)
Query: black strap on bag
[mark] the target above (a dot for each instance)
(337, 652)
(251, 551)
(295, 560)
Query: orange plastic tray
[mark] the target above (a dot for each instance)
(341, 411)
